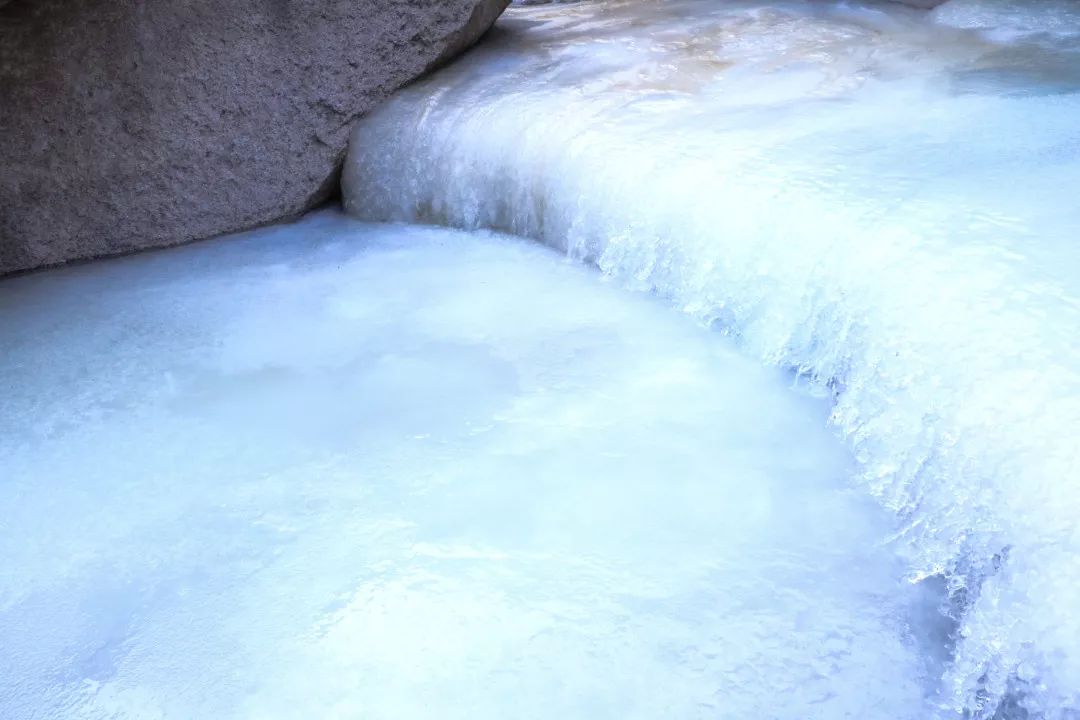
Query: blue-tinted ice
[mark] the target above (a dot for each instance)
(885, 200)
(335, 470)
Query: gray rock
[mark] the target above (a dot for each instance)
(128, 124)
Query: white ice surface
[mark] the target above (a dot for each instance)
(333, 470)
(884, 199)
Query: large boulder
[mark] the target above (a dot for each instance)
(128, 124)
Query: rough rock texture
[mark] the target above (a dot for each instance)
(127, 124)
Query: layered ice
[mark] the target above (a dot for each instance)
(882, 199)
(337, 470)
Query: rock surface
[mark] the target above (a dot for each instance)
(129, 124)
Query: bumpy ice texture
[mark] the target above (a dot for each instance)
(880, 198)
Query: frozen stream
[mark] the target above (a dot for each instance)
(337, 470)
(885, 200)
(343, 470)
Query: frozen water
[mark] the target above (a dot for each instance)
(883, 199)
(337, 470)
